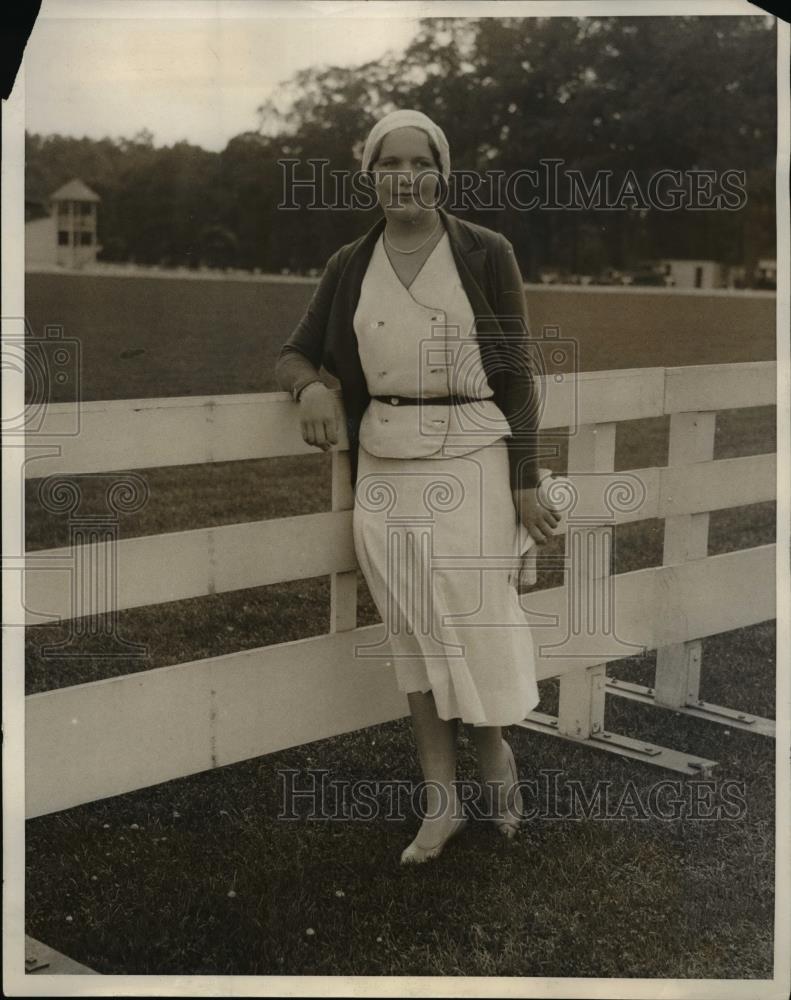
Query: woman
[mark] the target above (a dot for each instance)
(423, 322)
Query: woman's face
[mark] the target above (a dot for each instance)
(405, 174)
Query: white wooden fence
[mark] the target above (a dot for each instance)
(107, 737)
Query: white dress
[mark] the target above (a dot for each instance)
(435, 528)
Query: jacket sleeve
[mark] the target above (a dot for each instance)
(300, 357)
(521, 393)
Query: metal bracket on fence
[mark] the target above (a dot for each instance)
(40, 958)
(624, 746)
(700, 709)
(34, 962)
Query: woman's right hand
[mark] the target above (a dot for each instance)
(539, 520)
(318, 416)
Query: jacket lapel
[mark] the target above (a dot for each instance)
(469, 252)
(470, 256)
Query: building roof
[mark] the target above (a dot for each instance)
(74, 190)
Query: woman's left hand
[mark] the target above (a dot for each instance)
(539, 520)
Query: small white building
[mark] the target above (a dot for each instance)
(68, 235)
(695, 273)
(766, 273)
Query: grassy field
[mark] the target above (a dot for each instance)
(148, 337)
(199, 876)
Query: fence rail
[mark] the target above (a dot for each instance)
(107, 737)
(150, 433)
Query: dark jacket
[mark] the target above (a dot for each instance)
(490, 276)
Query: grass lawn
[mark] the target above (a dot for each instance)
(199, 876)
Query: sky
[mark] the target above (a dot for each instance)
(198, 69)
(180, 76)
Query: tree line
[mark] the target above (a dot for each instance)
(634, 95)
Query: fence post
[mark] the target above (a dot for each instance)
(677, 681)
(343, 586)
(582, 692)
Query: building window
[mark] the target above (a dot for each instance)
(85, 208)
(86, 239)
(63, 237)
(63, 208)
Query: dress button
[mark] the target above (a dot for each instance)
(394, 400)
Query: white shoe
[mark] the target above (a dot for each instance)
(507, 798)
(416, 853)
